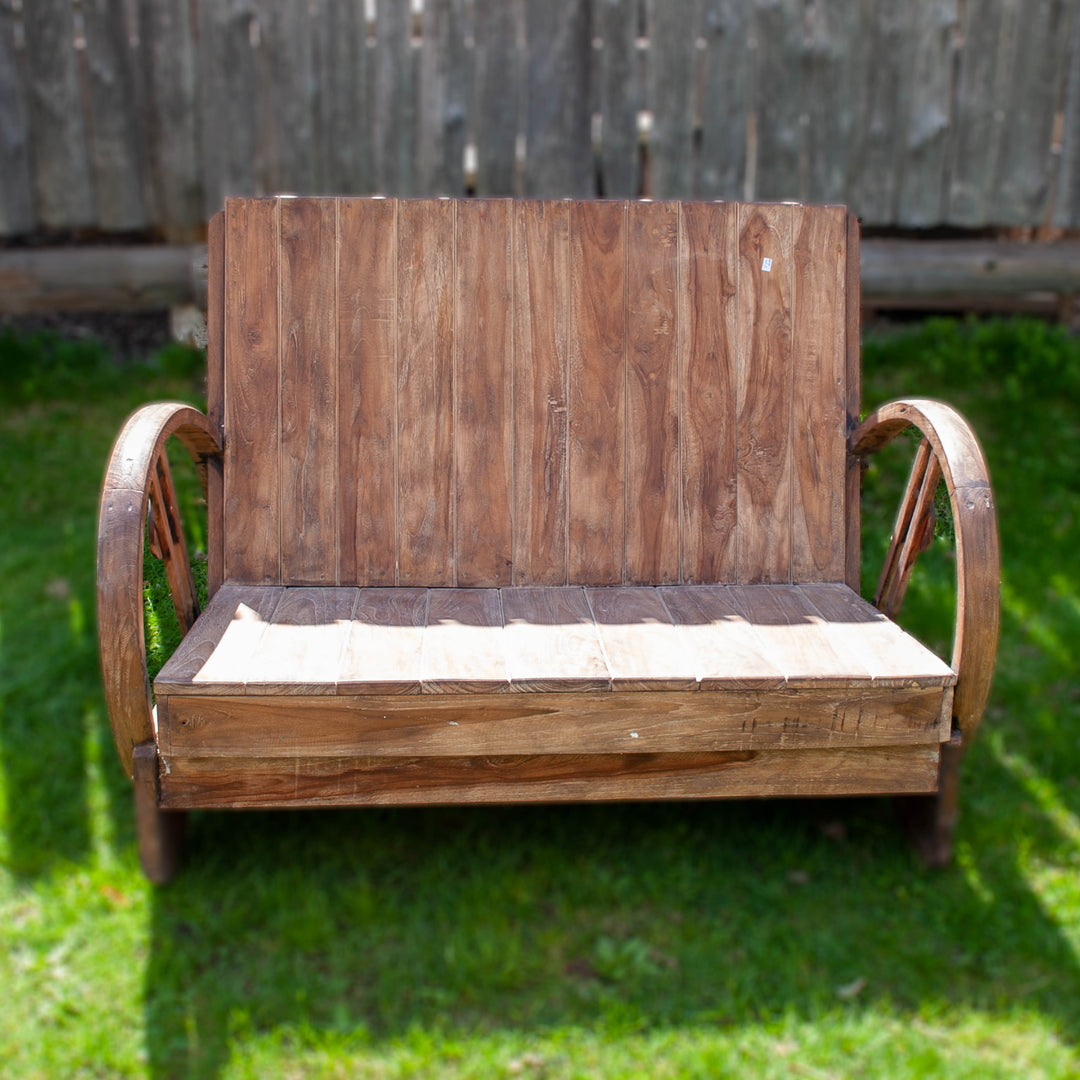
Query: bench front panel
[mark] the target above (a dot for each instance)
(494, 392)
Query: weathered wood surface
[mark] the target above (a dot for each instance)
(469, 641)
(408, 780)
(149, 114)
(121, 530)
(481, 393)
(958, 455)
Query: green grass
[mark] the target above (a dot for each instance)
(775, 939)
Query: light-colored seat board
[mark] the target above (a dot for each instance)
(561, 722)
(385, 643)
(463, 643)
(196, 782)
(551, 641)
(644, 649)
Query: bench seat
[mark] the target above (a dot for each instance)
(352, 685)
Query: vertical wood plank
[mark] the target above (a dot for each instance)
(1067, 203)
(228, 99)
(61, 166)
(776, 102)
(708, 361)
(367, 339)
(341, 106)
(653, 477)
(1023, 181)
(496, 93)
(170, 130)
(671, 74)
(425, 418)
(853, 376)
(725, 99)
(109, 82)
(616, 71)
(444, 104)
(309, 533)
(764, 394)
(983, 89)
(252, 387)
(215, 398)
(483, 392)
(541, 343)
(396, 79)
(597, 392)
(17, 214)
(819, 396)
(928, 128)
(558, 129)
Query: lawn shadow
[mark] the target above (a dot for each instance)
(375, 923)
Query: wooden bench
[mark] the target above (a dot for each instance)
(536, 501)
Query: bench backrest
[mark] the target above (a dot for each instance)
(494, 392)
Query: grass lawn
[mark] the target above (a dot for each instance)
(776, 939)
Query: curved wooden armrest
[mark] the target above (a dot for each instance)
(949, 448)
(137, 479)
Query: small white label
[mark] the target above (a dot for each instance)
(766, 265)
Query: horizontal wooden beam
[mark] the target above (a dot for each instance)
(954, 274)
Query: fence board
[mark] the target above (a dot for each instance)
(496, 94)
(109, 82)
(558, 137)
(62, 182)
(929, 65)
(617, 76)
(982, 93)
(1067, 206)
(16, 194)
(228, 100)
(672, 71)
(396, 82)
(724, 96)
(444, 104)
(1023, 180)
(167, 79)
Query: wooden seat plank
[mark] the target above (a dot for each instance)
(643, 648)
(221, 644)
(463, 649)
(726, 652)
(551, 641)
(386, 636)
(301, 650)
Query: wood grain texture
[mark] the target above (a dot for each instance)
(617, 74)
(635, 724)
(597, 392)
(215, 399)
(541, 373)
(159, 833)
(708, 358)
(309, 392)
(852, 378)
(652, 394)
(764, 404)
(551, 641)
(386, 637)
(643, 648)
(200, 782)
(977, 553)
(725, 77)
(463, 647)
(671, 77)
(483, 394)
(367, 354)
(819, 394)
(425, 413)
(252, 392)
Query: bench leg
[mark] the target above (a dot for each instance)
(160, 833)
(930, 820)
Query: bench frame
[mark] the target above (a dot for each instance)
(139, 503)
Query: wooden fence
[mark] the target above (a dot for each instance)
(121, 115)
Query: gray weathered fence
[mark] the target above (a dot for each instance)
(135, 114)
